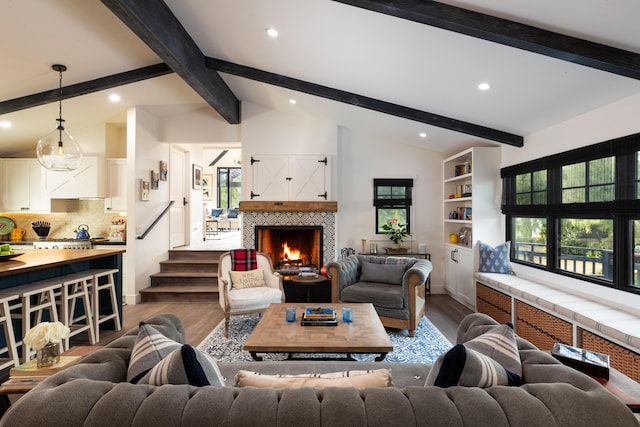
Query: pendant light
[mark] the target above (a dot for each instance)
(58, 150)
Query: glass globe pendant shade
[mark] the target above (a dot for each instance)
(58, 150)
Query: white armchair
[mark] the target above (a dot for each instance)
(249, 300)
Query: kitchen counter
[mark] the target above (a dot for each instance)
(34, 260)
(29, 243)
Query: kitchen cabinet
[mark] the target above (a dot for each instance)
(116, 200)
(88, 181)
(459, 282)
(290, 178)
(23, 186)
(471, 212)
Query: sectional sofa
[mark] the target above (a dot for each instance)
(96, 393)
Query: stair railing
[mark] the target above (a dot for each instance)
(153, 224)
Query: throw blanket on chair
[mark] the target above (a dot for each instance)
(243, 259)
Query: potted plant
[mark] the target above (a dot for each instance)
(396, 232)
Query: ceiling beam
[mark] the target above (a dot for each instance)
(365, 102)
(84, 88)
(509, 33)
(154, 23)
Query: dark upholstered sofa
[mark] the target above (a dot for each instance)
(94, 393)
(396, 286)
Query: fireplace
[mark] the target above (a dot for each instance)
(291, 247)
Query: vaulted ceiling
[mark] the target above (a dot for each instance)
(391, 68)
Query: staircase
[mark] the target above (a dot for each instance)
(187, 276)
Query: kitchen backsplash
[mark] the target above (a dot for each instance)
(63, 225)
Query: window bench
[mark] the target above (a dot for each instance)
(546, 315)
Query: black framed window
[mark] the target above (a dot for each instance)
(229, 187)
(577, 213)
(392, 199)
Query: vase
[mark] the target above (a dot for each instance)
(48, 355)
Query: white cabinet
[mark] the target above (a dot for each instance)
(116, 200)
(290, 178)
(86, 181)
(22, 186)
(471, 212)
(459, 274)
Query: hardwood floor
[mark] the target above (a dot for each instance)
(200, 318)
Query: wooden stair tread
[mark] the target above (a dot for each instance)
(190, 261)
(181, 289)
(184, 274)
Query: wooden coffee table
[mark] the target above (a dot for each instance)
(274, 334)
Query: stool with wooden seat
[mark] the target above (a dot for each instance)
(75, 288)
(8, 298)
(104, 280)
(34, 299)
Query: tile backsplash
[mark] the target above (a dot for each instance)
(63, 225)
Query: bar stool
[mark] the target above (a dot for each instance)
(8, 298)
(34, 298)
(75, 288)
(108, 285)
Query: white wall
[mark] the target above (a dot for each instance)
(609, 122)
(144, 152)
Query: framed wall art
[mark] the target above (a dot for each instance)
(145, 187)
(207, 187)
(164, 170)
(197, 177)
(155, 179)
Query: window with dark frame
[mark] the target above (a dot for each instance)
(392, 199)
(229, 185)
(578, 213)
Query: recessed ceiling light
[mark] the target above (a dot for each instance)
(272, 32)
(292, 101)
(114, 97)
(5, 124)
(423, 134)
(484, 86)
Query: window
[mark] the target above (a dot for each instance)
(392, 199)
(229, 187)
(577, 213)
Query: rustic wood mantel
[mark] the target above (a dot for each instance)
(276, 206)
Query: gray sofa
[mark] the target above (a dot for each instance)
(93, 393)
(396, 286)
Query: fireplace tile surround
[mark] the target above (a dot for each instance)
(280, 216)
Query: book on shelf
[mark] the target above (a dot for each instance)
(30, 368)
(587, 361)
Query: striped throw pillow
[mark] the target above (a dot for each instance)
(149, 349)
(186, 365)
(488, 360)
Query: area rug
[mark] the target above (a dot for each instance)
(425, 347)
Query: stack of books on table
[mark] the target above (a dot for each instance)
(28, 375)
(319, 316)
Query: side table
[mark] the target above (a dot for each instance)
(5, 402)
(308, 282)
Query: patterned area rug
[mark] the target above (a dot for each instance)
(425, 347)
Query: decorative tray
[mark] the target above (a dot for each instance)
(6, 225)
(8, 257)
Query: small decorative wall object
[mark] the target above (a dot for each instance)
(163, 170)
(145, 187)
(197, 176)
(207, 187)
(155, 179)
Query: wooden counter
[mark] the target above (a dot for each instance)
(39, 259)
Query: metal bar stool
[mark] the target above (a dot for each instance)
(104, 280)
(75, 287)
(8, 298)
(34, 299)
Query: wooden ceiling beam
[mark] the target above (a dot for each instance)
(509, 33)
(84, 88)
(154, 23)
(365, 102)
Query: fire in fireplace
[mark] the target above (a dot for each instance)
(291, 247)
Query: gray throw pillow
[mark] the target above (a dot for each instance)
(382, 273)
(185, 365)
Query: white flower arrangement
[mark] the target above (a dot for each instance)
(44, 333)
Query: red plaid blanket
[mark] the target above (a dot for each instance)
(243, 259)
